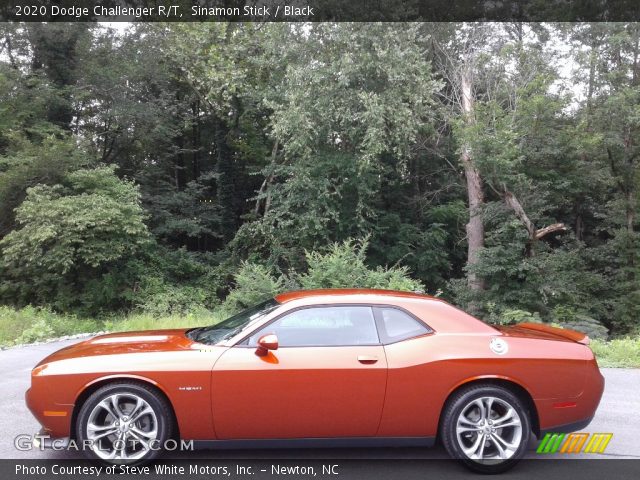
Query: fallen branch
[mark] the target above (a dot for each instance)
(556, 227)
(534, 234)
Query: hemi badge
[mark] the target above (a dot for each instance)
(564, 405)
(53, 413)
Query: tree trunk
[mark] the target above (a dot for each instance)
(631, 218)
(593, 54)
(225, 187)
(195, 139)
(631, 210)
(475, 226)
(579, 227)
(10, 56)
(266, 184)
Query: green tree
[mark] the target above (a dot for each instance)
(611, 114)
(354, 97)
(56, 53)
(34, 146)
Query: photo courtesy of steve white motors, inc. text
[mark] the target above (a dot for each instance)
(172, 469)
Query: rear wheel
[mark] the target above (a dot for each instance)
(487, 427)
(124, 423)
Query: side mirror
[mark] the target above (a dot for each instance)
(265, 343)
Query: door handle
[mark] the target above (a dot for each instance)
(367, 359)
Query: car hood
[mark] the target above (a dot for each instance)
(125, 343)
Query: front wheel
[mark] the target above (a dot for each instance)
(124, 423)
(487, 427)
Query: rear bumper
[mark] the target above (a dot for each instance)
(568, 427)
(572, 414)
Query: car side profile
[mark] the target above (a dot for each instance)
(323, 368)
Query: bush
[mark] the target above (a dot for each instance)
(343, 266)
(588, 326)
(39, 330)
(513, 315)
(13, 323)
(568, 317)
(505, 316)
(174, 282)
(70, 238)
(254, 283)
(158, 298)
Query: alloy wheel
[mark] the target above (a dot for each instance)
(122, 426)
(489, 429)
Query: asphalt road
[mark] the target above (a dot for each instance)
(619, 413)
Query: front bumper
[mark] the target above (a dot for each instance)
(55, 418)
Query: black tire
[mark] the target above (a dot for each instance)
(463, 401)
(161, 419)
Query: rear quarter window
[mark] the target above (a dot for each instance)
(395, 325)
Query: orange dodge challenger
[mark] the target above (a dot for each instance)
(322, 368)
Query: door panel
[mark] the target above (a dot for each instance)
(299, 392)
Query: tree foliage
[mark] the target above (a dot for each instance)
(166, 167)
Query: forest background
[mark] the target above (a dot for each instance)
(163, 175)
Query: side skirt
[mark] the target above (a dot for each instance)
(349, 442)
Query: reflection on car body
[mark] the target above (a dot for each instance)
(324, 367)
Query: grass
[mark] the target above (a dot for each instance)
(34, 324)
(618, 353)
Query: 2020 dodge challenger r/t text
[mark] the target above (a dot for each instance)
(323, 367)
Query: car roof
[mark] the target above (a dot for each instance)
(437, 313)
(300, 294)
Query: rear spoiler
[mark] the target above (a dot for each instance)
(567, 333)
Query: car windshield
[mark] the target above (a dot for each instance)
(232, 325)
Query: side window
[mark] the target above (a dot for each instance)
(323, 326)
(396, 325)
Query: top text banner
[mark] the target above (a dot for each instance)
(319, 10)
